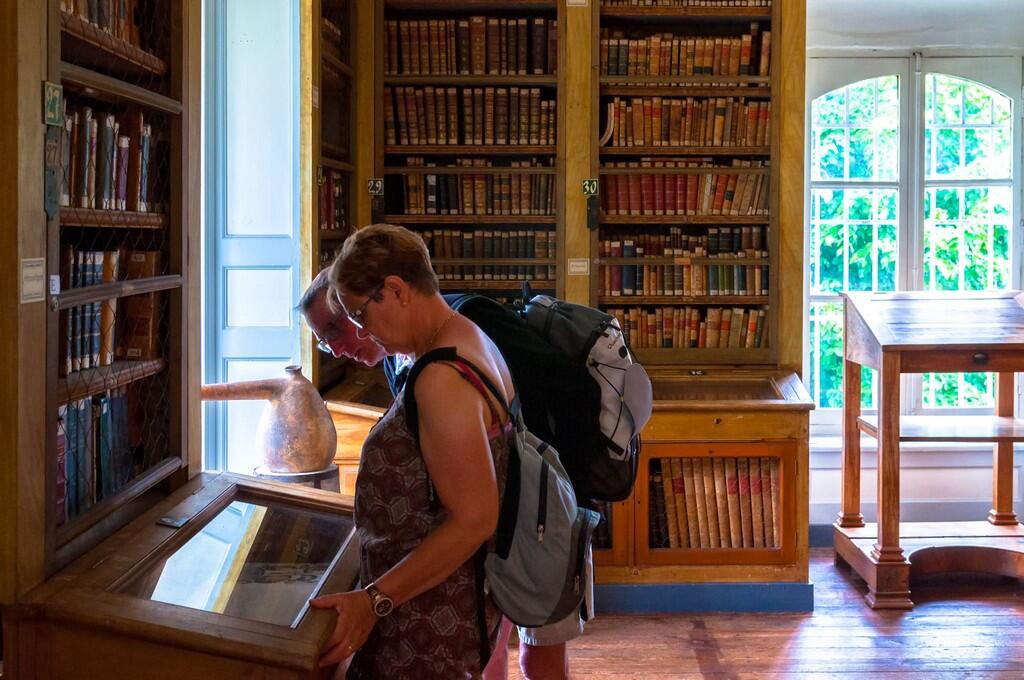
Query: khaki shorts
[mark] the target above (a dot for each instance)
(570, 627)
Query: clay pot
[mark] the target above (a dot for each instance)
(295, 432)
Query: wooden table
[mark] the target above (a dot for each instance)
(898, 333)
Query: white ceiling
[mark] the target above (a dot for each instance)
(934, 26)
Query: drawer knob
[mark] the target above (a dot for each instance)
(980, 357)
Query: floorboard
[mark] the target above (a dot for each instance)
(963, 626)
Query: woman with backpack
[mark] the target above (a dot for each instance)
(424, 505)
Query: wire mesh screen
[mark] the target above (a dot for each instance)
(115, 244)
(714, 503)
(603, 533)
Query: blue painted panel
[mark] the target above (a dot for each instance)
(658, 598)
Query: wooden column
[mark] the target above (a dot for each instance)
(24, 420)
(849, 512)
(891, 589)
(576, 115)
(1002, 458)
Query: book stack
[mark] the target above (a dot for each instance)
(706, 193)
(629, 53)
(96, 438)
(708, 503)
(692, 327)
(497, 244)
(477, 193)
(128, 20)
(469, 115)
(108, 160)
(474, 45)
(687, 122)
(334, 202)
(686, 3)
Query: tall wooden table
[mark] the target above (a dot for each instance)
(897, 333)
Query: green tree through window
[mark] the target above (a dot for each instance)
(965, 241)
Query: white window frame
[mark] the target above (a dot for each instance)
(825, 74)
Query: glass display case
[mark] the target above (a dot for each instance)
(214, 582)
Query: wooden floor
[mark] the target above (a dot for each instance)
(962, 627)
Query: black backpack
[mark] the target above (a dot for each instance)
(561, 401)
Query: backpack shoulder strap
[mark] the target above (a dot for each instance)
(449, 354)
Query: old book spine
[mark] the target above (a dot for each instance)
(722, 503)
(756, 503)
(708, 469)
(668, 493)
(679, 498)
(701, 502)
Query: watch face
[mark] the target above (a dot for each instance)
(383, 606)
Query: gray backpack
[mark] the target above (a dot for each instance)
(535, 570)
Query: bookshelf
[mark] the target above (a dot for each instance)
(121, 428)
(688, 223)
(470, 150)
(699, 193)
(330, 42)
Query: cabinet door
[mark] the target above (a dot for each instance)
(716, 503)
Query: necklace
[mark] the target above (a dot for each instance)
(437, 331)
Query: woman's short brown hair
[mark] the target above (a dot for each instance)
(375, 252)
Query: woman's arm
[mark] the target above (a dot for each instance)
(453, 420)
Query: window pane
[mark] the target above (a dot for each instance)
(965, 231)
(853, 239)
(958, 390)
(969, 130)
(855, 132)
(826, 366)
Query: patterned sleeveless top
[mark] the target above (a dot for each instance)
(436, 634)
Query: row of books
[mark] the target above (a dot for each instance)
(334, 201)
(130, 20)
(686, 3)
(477, 193)
(488, 244)
(669, 54)
(95, 459)
(331, 39)
(693, 121)
(655, 193)
(327, 255)
(488, 115)
(714, 503)
(107, 160)
(692, 327)
(96, 333)
(716, 242)
(684, 279)
(477, 45)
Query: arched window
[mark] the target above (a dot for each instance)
(913, 184)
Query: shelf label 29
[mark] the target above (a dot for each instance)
(375, 186)
(590, 186)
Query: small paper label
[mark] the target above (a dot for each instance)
(316, 97)
(53, 113)
(590, 186)
(579, 266)
(33, 279)
(577, 3)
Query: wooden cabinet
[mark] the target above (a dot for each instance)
(212, 582)
(721, 494)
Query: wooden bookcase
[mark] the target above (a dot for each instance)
(757, 246)
(121, 326)
(452, 77)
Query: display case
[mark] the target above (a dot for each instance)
(213, 582)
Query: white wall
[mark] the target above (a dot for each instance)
(934, 27)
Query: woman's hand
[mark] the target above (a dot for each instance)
(355, 621)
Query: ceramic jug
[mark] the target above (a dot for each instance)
(295, 432)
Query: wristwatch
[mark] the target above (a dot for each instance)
(381, 603)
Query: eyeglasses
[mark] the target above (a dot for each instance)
(324, 343)
(357, 316)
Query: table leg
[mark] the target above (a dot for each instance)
(1002, 458)
(891, 587)
(849, 513)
